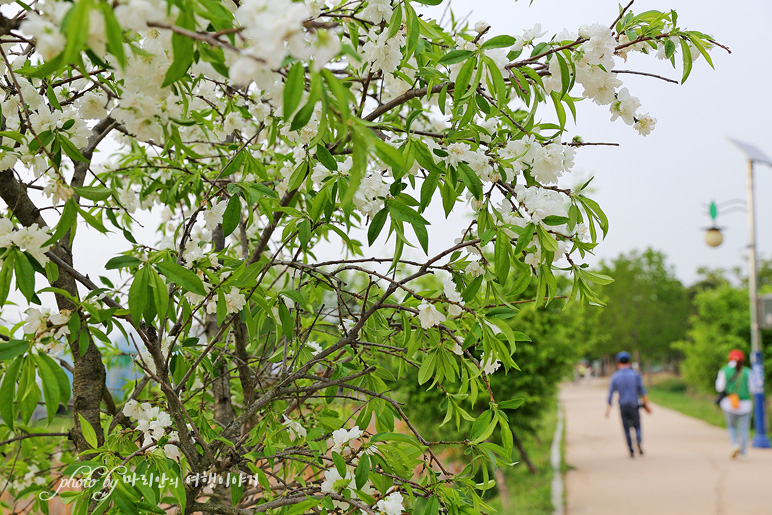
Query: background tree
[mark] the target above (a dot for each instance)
(225, 146)
(720, 323)
(647, 307)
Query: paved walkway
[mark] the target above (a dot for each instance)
(686, 469)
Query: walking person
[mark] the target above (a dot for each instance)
(736, 381)
(627, 383)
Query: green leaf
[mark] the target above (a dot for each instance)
(376, 225)
(122, 262)
(362, 471)
(16, 136)
(555, 220)
(359, 166)
(413, 31)
(498, 42)
(50, 386)
(511, 404)
(395, 22)
(287, 323)
(53, 100)
(25, 275)
(304, 233)
(71, 150)
(546, 240)
(427, 368)
(480, 425)
(428, 188)
(75, 27)
(7, 391)
(324, 157)
(501, 256)
(403, 213)
(182, 46)
(433, 505)
(340, 463)
(462, 80)
(114, 33)
(95, 193)
(11, 349)
(232, 216)
(65, 223)
(470, 180)
(391, 156)
(181, 276)
(455, 57)
(88, 432)
(138, 295)
(6, 276)
(687, 59)
(160, 293)
(293, 89)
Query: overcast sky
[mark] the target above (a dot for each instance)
(655, 189)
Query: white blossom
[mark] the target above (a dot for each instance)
(391, 504)
(294, 428)
(213, 216)
(474, 269)
(645, 124)
(429, 316)
(489, 365)
(624, 107)
(234, 301)
(342, 437)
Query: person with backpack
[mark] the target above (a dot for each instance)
(629, 385)
(736, 384)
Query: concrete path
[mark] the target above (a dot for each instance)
(686, 469)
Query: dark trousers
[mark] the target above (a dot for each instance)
(631, 418)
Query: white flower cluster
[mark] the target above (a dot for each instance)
(369, 197)
(449, 287)
(136, 14)
(391, 504)
(594, 61)
(274, 30)
(382, 51)
(29, 239)
(341, 438)
(477, 160)
(295, 429)
(320, 172)
(546, 162)
(154, 423)
(489, 365)
(32, 476)
(213, 215)
(429, 316)
(42, 323)
(377, 11)
(49, 39)
(234, 302)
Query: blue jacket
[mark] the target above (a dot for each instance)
(627, 382)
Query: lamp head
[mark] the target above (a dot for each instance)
(713, 236)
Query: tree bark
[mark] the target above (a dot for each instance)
(88, 377)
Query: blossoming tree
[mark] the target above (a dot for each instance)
(293, 159)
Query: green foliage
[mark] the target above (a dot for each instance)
(647, 307)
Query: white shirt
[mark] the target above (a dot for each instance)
(745, 406)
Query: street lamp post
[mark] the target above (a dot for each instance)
(754, 155)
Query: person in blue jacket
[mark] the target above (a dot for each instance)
(629, 386)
